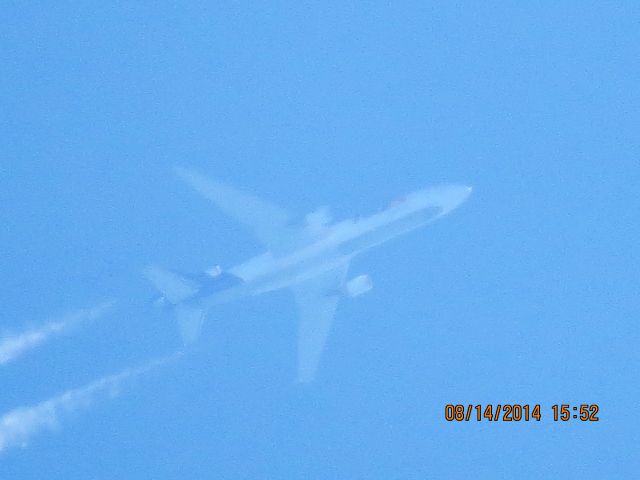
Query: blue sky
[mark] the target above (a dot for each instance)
(528, 293)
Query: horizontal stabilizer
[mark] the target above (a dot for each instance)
(173, 286)
(190, 320)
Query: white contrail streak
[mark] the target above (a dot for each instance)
(18, 425)
(15, 344)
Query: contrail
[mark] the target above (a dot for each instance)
(18, 425)
(14, 345)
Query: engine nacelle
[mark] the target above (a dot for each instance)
(214, 271)
(358, 285)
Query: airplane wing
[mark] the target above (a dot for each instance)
(270, 224)
(317, 299)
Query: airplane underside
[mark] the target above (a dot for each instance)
(311, 260)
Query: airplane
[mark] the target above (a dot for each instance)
(310, 259)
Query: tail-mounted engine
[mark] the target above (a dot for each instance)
(358, 285)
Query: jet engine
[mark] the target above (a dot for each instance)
(358, 285)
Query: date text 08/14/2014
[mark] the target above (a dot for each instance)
(520, 412)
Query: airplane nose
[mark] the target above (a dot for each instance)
(464, 194)
(453, 196)
(460, 193)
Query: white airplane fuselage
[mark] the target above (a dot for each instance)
(336, 245)
(311, 260)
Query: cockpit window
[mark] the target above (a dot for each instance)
(397, 201)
